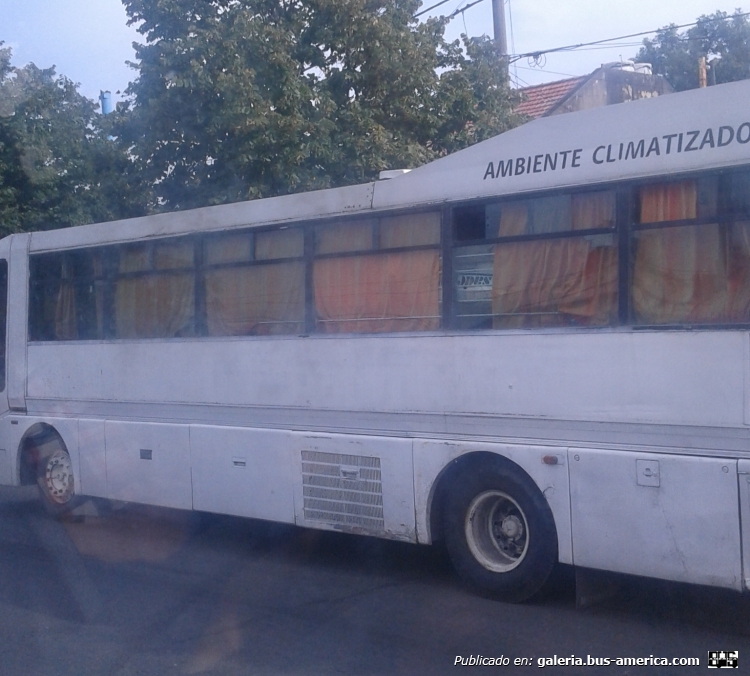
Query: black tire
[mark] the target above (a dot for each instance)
(500, 532)
(54, 477)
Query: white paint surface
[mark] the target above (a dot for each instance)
(686, 529)
(680, 378)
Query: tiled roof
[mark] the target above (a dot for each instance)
(537, 100)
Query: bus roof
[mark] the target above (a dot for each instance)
(699, 129)
(673, 134)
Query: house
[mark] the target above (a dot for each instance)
(611, 83)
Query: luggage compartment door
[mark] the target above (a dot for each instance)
(149, 463)
(665, 516)
(743, 475)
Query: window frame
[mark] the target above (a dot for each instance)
(624, 231)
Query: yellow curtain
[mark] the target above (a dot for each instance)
(155, 306)
(172, 255)
(65, 312)
(67, 302)
(340, 237)
(738, 284)
(514, 219)
(593, 210)
(256, 300)
(553, 283)
(680, 275)
(418, 229)
(668, 202)
(229, 249)
(378, 293)
(288, 243)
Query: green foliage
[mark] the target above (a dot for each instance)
(57, 166)
(722, 38)
(237, 99)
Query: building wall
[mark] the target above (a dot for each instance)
(611, 85)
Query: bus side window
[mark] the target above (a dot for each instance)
(547, 261)
(255, 283)
(694, 269)
(737, 199)
(370, 277)
(66, 296)
(154, 290)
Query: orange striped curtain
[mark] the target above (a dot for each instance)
(680, 275)
(256, 300)
(553, 283)
(66, 304)
(65, 312)
(593, 210)
(154, 305)
(738, 285)
(668, 202)
(378, 293)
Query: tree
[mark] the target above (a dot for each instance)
(722, 38)
(57, 165)
(237, 99)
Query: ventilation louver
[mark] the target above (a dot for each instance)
(343, 489)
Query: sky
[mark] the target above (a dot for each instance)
(89, 41)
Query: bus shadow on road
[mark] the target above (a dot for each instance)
(47, 566)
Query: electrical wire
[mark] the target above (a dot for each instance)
(463, 9)
(568, 48)
(550, 72)
(452, 14)
(424, 11)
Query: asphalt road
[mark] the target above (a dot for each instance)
(139, 590)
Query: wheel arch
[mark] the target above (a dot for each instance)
(39, 435)
(466, 462)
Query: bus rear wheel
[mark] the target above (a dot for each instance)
(56, 483)
(500, 532)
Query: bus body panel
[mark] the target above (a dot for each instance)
(149, 463)
(670, 378)
(92, 452)
(743, 469)
(665, 516)
(18, 286)
(243, 472)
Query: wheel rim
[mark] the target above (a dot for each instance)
(497, 531)
(58, 477)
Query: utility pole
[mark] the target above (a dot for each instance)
(501, 40)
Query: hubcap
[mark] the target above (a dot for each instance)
(496, 531)
(58, 477)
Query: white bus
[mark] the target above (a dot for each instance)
(536, 349)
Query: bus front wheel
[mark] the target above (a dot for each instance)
(55, 481)
(500, 532)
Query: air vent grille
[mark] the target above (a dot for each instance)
(343, 489)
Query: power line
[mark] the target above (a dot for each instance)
(424, 11)
(548, 72)
(567, 48)
(452, 15)
(463, 9)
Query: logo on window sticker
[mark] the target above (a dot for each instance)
(474, 281)
(723, 659)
